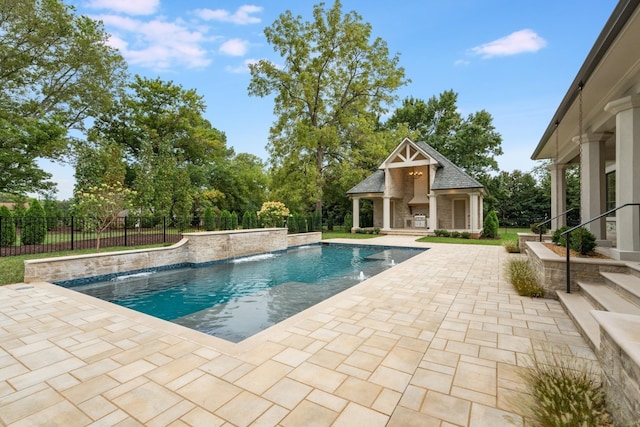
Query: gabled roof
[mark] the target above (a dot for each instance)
(374, 183)
(448, 176)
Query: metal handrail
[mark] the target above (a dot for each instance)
(567, 233)
(549, 220)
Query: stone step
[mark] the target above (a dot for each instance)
(626, 285)
(579, 309)
(606, 298)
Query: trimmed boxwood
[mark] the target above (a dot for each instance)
(7, 227)
(34, 227)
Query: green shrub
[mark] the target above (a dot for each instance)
(490, 226)
(376, 230)
(19, 211)
(565, 393)
(557, 238)
(7, 227)
(330, 222)
(441, 233)
(209, 219)
(465, 235)
(34, 227)
(456, 234)
(348, 222)
(225, 220)
(245, 220)
(523, 278)
(583, 241)
(234, 221)
(538, 227)
(511, 246)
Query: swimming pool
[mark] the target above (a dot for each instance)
(238, 298)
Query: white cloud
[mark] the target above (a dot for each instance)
(242, 16)
(157, 44)
(515, 43)
(242, 69)
(234, 47)
(461, 63)
(129, 7)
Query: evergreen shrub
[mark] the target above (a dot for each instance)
(7, 227)
(209, 219)
(34, 228)
(583, 241)
(490, 226)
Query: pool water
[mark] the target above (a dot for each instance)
(236, 299)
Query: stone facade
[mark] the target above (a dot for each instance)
(620, 357)
(194, 248)
(552, 270)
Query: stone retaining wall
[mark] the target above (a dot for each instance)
(552, 270)
(194, 248)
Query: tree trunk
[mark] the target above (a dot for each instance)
(319, 179)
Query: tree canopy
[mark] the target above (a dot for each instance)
(55, 71)
(471, 142)
(332, 86)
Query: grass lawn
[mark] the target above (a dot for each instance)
(506, 234)
(12, 267)
(346, 235)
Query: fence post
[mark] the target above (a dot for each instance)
(164, 229)
(124, 220)
(72, 231)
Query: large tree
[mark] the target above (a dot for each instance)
(167, 144)
(55, 71)
(471, 142)
(331, 86)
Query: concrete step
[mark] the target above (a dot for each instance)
(606, 298)
(579, 309)
(627, 285)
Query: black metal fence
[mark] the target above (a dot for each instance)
(55, 234)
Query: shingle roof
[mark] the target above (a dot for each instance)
(374, 183)
(448, 176)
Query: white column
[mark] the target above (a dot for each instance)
(558, 195)
(592, 182)
(627, 112)
(386, 213)
(356, 213)
(433, 212)
(473, 211)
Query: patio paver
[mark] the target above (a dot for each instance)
(438, 340)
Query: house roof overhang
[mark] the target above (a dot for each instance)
(611, 70)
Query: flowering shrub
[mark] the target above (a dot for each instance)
(271, 212)
(103, 204)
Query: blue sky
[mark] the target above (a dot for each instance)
(513, 58)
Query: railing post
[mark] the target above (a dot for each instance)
(568, 243)
(124, 221)
(72, 231)
(164, 229)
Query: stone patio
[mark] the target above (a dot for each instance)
(436, 341)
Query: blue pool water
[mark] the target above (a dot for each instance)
(236, 299)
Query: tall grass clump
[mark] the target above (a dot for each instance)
(511, 246)
(566, 393)
(522, 276)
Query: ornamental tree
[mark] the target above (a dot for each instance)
(271, 212)
(102, 205)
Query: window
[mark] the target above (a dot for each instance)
(611, 191)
